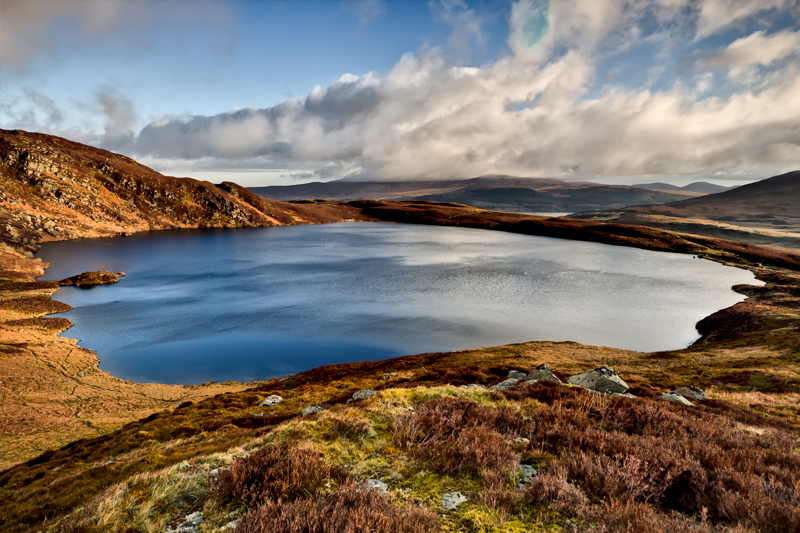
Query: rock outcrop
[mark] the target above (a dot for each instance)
(542, 372)
(601, 379)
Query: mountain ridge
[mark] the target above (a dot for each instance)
(486, 192)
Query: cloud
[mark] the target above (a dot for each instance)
(742, 57)
(427, 118)
(535, 112)
(718, 15)
(467, 26)
(366, 10)
(52, 28)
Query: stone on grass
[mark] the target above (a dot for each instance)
(504, 385)
(376, 484)
(473, 386)
(623, 395)
(190, 523)
(311, 409)
(527, 472)
(517, 374)
(601, 379)
(269, 401)
(364, 394)
(542, 372)
(451, 500)
(671, 396)
(695, 393)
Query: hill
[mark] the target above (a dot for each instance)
(506, 193)
(55, 189)
(700, 187)
(764, 212)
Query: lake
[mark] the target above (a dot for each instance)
(248, 304)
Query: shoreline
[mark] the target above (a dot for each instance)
(54, 392)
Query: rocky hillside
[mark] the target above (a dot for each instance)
(55, 189)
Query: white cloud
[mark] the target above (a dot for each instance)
(467, 26)
(53, 28)
(718, 15)
(426, 118)
(526, 114)
(742, 57)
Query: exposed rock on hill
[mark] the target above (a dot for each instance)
(55, 189)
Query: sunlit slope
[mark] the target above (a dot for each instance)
(55, 189)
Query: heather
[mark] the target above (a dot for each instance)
(602, 463)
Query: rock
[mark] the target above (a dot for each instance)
(364, 394)
(504, 385)
(451, 500)
(376, 484)
(695, 393)
(311, 409)
(519, 441)
(388, 375)
(269, 401)
(601, 379)
(229, 525)
(527, 472)
(90, 279)
(473, 386)
(623, 395)
(671, 396)
(194, 518)
(544, 373)
(190, 523)
(517, 374)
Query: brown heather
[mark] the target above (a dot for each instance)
(283, 472)
(350, 509)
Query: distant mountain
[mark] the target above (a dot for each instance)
(503, 193)
(764, 212)
(699, 187)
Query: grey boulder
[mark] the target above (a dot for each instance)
(671, 396)
(376, 484)
(364, 394)
(601, 379)
(269, 401)
(694, 393)
(504, 385)
(542, 372)
(451, 500)
(517, 374)
(311, 409)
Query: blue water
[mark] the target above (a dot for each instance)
(247, 304)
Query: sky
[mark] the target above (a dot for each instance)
(287, 92)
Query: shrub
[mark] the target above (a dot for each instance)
(479, 449)
(349, 509)
(554, 490)
(275, 472)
